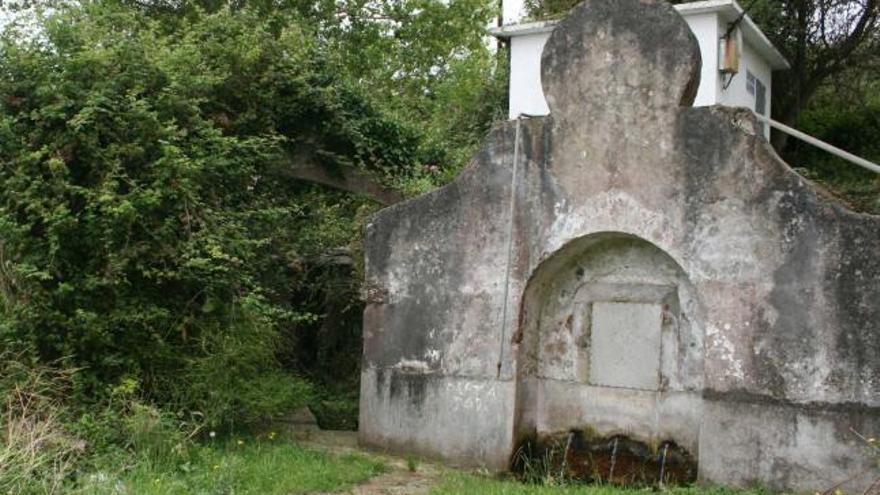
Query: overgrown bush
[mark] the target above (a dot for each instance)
(147, 231)
(151, 234)
(238, 378)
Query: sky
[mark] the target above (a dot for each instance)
(514, 10)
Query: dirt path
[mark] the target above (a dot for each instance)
(398, 480)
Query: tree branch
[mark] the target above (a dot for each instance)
(303, 166)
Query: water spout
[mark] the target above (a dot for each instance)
(613, 460)
(565, 455)
(663, 463)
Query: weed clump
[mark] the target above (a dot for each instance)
(38, 452)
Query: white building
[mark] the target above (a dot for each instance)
(737, 69)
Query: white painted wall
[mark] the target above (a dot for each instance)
(526, 94)
(705, 28)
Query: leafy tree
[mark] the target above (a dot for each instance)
(144, 201)
(821, 40)
(427, 61)
(549, 9)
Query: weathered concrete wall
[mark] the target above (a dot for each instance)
(630, 211)
(435, 274)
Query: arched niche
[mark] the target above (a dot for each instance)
(611, 341)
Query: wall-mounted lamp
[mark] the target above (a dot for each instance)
(729, 52)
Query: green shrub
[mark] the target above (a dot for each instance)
(237, 381)
(337, 408)
(851, 123)
(147, 232)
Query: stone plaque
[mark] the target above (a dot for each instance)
(625, 345)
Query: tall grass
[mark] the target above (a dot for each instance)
(38, 454)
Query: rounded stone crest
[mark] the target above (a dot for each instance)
(618, 53)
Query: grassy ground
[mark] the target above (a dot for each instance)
(269, 466)
(241, 467)
(460, 483)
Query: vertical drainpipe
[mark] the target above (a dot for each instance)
(510, 228)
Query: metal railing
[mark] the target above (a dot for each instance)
(873, 167)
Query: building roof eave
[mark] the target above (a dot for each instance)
(521, 29)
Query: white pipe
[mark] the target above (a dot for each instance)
(510, 225)
(873, 167)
